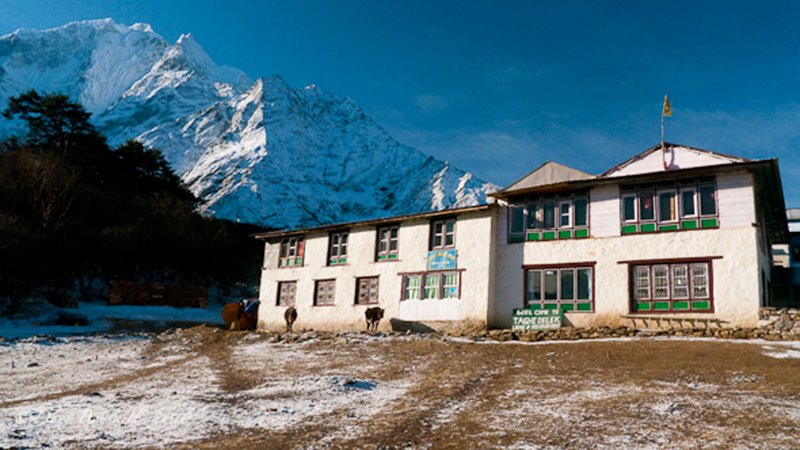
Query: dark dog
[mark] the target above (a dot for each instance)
(374, 316)
(290, 316)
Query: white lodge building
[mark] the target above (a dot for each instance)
(673, 233)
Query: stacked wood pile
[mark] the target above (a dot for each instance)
(157, 294)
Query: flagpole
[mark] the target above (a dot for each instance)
(666, 111)
(663, 148)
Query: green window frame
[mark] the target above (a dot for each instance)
(387, 248)
(567, 287)
(291, 251)
(337, 247)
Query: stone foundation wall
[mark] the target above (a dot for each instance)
(784, 322)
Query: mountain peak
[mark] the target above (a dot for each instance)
(261, 152)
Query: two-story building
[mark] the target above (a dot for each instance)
(672, 232)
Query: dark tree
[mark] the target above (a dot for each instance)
(53, 120)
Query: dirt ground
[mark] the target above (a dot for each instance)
(207, 388)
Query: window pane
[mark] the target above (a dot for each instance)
(517, 217)
(534, 285)
(549, 215)
(641, 282)
(534, 216)
(431, 289)
(680, 281)
(687, 203)
(550, 285)
(646, 207)
(325, 292)
(708, 200)
(286, 293)
(450, 233)
(393, 245)
(412, 287)
(666, 206)
(660, 281)
(567, 284)
(450, 284)
(699, 280)
(629, 208)
(581, 209)
(584, 284)
(564, 214)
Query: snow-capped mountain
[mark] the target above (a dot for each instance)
(256, 151)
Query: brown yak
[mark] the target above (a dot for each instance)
(240, 316)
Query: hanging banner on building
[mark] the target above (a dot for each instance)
(442, 259)
(527, 319)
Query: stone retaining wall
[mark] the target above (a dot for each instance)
(784, 322)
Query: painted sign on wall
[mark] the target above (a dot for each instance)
(536, 320)
(442, 259)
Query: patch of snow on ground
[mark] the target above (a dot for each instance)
(35, 368)
(152, 411)
(101, 317)
(782, 353)
(181, 403)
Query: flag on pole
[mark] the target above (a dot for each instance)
(667, 112)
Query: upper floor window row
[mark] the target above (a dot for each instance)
(387, 246)
(387, 243)
(672, 206)
(337, 247)
(561, 216)
(291, 253)
(443, 233)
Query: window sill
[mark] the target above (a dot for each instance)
(387, 260)
(323, 306)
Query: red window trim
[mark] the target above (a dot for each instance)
(678, 189)
(422, 283)
(669, 262)
(378, 243)
(316, 283)
(371, 277)
(301, 240)
(576, 265)
(330, 246)
(431, 235)
(278, 293)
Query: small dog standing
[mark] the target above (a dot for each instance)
(374, 316)
(290, 315)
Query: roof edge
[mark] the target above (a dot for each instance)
(750, 163)
(378, 221)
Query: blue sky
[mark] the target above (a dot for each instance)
(500, 87)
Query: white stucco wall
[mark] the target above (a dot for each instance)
(604, 212)
(474, 255)
(736, 275)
